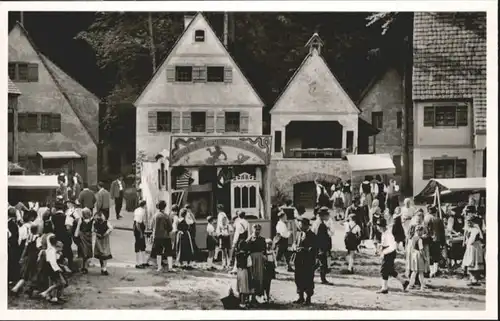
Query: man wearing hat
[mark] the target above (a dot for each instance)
(323, 241)
(282, 236)
(305, 261)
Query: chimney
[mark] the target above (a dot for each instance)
(187, 20)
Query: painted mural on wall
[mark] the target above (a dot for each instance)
(220, 151)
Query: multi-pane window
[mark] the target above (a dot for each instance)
(184, 73)
(215, 74)
(199, 36)
(377, 119)
(23, 72)
(446, 116)
(198, 122)
(444, 168)
(39, 122)
(232, 122)
(164, 121)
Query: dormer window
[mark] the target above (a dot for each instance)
(199, 36)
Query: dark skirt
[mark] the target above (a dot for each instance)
(185, 247)
(102, 248)
(86, 245)
(257, 273)
(269, 270)
(398, 230)
(225, 241)
(388, 269)
(392, 202)
(28, 269)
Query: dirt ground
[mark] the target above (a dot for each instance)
(129, 288)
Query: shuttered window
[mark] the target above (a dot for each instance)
(176, 122)
(199, 36)
(199, 73)
(446, 116)
(170, 73)
(210, 122)
(39, 122)
(31, 122)
(228, 74)
(45, 123)
(186, 122)
(55, 123)
(277, 141)
(183, 73)
(244, 122)
(215, 74)
(198, 122)
(164, 121)
(220, 123)
(23, 72)
(152, 122)
(232, 122)
(445, 168)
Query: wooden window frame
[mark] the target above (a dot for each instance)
(197, 36)
(453, 161)
(457, 110)
(228, 125)
(217, 80)
(48, 129)
(179, 77)
(198, 128)
(25, 70)
(163, 128)
(375, 119)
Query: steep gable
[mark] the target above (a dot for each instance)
(314, 88)
(84, 104)
(238, 92)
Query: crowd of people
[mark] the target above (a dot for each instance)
(40, 256)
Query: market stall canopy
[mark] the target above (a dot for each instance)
(61, 154)
(33, 182)
(453, 185)
(371, 164)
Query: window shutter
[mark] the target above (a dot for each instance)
(55, 123)
(220, 122)
(33, 72)
(186, 122)
(460, 168)
(429, 116)
(170, 73)
(428, 169)
(199, 73)
(228, 74)
(176, 122)
(462, 116)
(21, 122)
(210, 122)
(152, 122)
(244, 122)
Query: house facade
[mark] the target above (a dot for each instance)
(13, 96)
(57, 117)
(449, 95)
(199, 129)
(381, 105)
(314, 124)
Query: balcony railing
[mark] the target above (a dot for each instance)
(335, 153)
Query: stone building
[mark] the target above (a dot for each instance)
(57, 117)
(449, 95)
(314, 124)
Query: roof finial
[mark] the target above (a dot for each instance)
(315, 43)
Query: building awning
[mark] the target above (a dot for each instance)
(371, 164)
(453, 185)
(13, 90)
(33, 182)
(61, 154)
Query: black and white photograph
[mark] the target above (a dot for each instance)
(253, 160)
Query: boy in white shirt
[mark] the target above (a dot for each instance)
(387, 250)
(283, 233)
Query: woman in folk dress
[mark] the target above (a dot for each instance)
(84, 233)
(184, 243)
(257, 247)
(416, 261)
(102, 249)
(474, 253)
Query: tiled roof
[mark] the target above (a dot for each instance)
(449, 59)
(83, 102)
(13, 88)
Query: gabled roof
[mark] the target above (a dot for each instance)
(309, 56)
(80, 99)
(13, 88)
(449, 59)
(197, 16)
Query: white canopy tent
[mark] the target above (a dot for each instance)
(371, 164)
(59, 154)
(33, 182)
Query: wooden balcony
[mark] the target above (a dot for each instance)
(333, 153)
